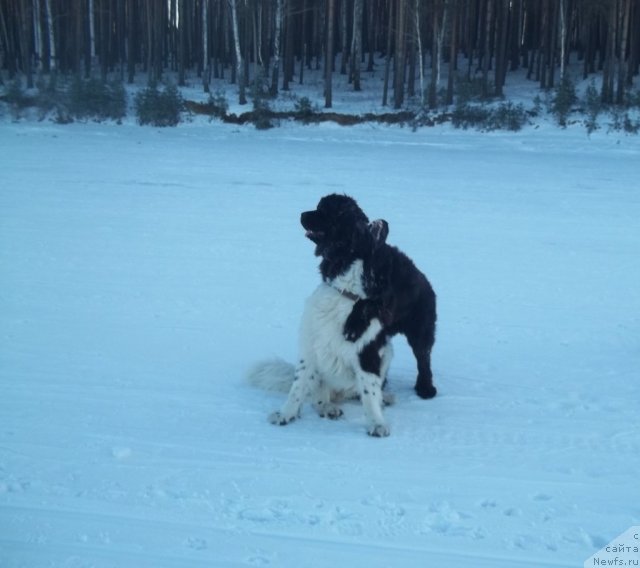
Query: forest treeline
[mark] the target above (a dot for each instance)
(427, 47)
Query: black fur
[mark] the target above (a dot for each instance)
(340, 231)
(397, 292)
(405, 303)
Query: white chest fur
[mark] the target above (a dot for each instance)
(322, 343)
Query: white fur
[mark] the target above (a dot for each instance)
(272, 375)
(329, 367)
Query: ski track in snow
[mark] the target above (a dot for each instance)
(144, 270)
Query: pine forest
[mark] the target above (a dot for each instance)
(424, 49)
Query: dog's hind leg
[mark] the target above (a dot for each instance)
(302, 384)
(421, 345)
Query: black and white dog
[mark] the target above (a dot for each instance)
(394, 290)
(332, 367)
(370, 291)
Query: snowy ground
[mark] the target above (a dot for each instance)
(144, 270)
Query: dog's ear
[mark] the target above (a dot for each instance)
(379, 229)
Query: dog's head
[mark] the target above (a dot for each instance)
(334, 224)
(342, 233)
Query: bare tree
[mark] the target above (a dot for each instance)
(608, 69)
(328, 86)
(131, 43)
(182, 41)
(206, 67)
(25, 40)
(242, 97)
(502, 41)
(563, 38)
(417, 15)
(486, 57)
(399, 58)
(439, 26)
(92, 32)
(625, 14)
(344, 36)
(275, 70)
(387, 63)
(37, 36)
(453, 52)
(356, 45)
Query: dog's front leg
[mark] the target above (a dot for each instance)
(362, 313)
(370, 373)
(370, 386)
(302, 383)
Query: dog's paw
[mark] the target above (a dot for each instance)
(279, 419)
(352, 331)
(359, 318)
(350, 335)
(426, 391)
(379, 431)
(331, 411)
(354, 327)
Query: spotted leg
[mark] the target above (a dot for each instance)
(302, 384)
(370, 385)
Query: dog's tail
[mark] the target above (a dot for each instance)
(272, 374)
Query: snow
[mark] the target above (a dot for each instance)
(144, 270)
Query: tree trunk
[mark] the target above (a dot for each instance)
(515, 35)
(8, 47)
(182, 41)
(288, 66)
(502, 12)
(25, 42)
(399, 67)
(206, 67)
(131, 43)
(328, 87)
(486, 58)
(418, 15)
(275, 70)
(633, 65)
(344, 36)
(435, 56)
(387, 63)
(303, 41)
(37, 36)
(411, 64)
(625, 13)
(563, 38)
(103, 23)
(553, 46)
(608, 71)
(242, 97)
(544, 46)
(92, 33)
(453, 52)
(371, 39)
(439, 28)
(356, 51)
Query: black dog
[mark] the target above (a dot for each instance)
(395, 291)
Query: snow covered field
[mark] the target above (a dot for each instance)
(143, 271)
